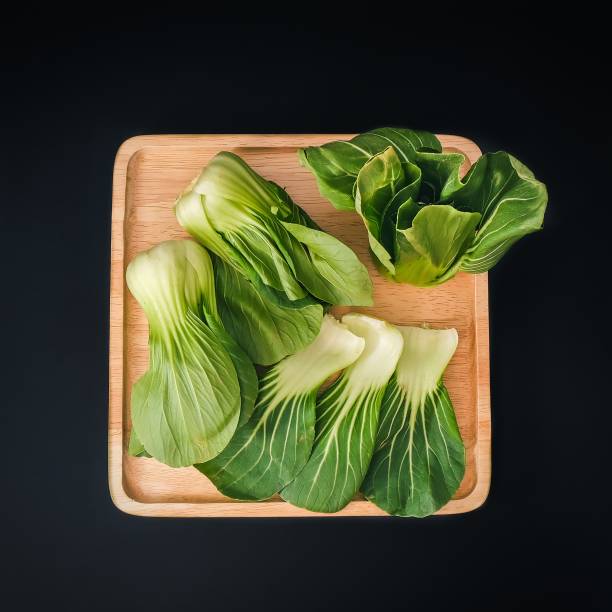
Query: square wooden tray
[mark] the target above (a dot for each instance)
(149, 173)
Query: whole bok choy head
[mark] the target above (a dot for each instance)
(347, 421)
(425, 223)
(253, 225)
(199, 384)
(272, 447)
(419, 460)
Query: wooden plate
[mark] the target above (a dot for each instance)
(149, 173)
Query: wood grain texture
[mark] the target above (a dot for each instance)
(149, 173)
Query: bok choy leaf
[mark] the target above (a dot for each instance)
(268, 451)
(346, 421)
(419, 460)
(265, 329)
(187, 405)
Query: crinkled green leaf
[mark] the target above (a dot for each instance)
(437, 237)
(378, 181)
(441, 175)
(419, 460)
(268, 451)
(410, 192)
(265, 330)
(511, 202)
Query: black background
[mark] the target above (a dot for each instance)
(72, 94)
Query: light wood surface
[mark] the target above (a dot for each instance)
(149, 173)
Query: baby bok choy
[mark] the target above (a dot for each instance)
(347, 421)
(425, 222)
(254, 227)
(419, 459)
(199, 384)
(269, 450)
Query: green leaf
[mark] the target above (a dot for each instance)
(245, 371)
(332, 272)
(269, 251)
(268, 451)
(378, 181)
(410, 192)
(512, 204)
(336, 164)
(428, 251)
(186, 407)
(265, 330)
(419, 460)
(346, 422)
(440, 172)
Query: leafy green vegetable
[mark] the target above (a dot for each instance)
(266, 330)
(186, 407)
(267, 452)
(253, 225)
(336, 165)
(425, 223)
(347, 419)
(419, 459)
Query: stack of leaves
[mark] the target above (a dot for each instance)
(272, 447)
(425, 223)
(347, 421)
(386, 427)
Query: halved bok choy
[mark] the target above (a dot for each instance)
(269, 450)
(419, 459)
(347, 421)
(200, 383)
